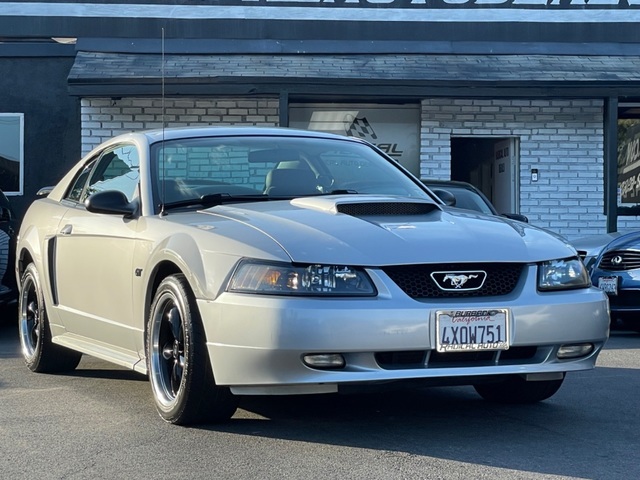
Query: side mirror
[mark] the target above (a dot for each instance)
(516, 216)
(110, 202)
(45, 191)
(446, 196)
(5, 214)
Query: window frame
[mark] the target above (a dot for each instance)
(20, 190)
(95, 163)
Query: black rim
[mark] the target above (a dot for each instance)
(168, 350)
(29, 318)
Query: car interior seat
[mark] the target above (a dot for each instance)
(176, 191)
(290, 182)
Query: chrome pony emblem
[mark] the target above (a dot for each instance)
(452, 281)
(458, 280)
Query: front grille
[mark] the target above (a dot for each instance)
(434, 359)
(625, 299)
(620, 260)
(416, 281)
(385, 208)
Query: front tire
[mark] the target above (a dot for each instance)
(516, 390)
(39, 353)
(180, 372)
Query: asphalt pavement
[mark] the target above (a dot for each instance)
(99, 422)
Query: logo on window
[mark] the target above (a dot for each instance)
(360, 127)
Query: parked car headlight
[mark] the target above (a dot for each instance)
(287, 279)
(563, 274)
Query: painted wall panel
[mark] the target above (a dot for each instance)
(452, 20)
(37, 88)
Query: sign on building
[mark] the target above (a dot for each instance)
(394, 129)
(629, 162)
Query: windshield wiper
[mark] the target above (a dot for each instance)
(212, 200)
(342, 192)
(215, 199)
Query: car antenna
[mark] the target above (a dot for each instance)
(162, 182)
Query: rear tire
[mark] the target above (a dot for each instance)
(39, 353)
(516, 390)
(179, 369)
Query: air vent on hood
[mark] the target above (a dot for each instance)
(385, 208)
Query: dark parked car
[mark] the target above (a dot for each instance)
(617, 272)
(8, 228)
(590, 246)
(465, 195)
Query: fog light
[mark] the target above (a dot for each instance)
(324, 360)
(573, 351)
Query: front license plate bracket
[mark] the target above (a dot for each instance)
(609, 285)
(472, 330)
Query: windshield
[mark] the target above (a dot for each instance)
(271, 167)
(466, 198)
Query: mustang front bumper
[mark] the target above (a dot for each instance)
(257, 343)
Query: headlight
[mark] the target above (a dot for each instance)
(562, 275)
(287, 279)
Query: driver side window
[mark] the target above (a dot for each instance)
(117, 169)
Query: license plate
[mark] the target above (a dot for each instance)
(609, 285)
(471, 330)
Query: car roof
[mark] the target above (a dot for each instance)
(173, 133)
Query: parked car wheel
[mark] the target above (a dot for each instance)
(40, 354)
(517, 390)
(178, 363)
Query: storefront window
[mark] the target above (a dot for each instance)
(629, 162)
(11, 152)
(395, 129)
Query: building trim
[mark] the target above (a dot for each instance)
(407, 75)
(331, 12)
(211, 46)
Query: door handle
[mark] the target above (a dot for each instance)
(66, 230)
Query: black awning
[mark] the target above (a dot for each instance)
(128, 74)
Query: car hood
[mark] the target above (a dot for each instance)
(624, 242)
(592, 244)
(378, 230)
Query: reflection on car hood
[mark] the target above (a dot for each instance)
(592, 244)
(312, 229)
(626, 241)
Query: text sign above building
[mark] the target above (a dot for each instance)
(89, 5)
(590, 21)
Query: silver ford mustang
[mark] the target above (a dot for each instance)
(246, 261)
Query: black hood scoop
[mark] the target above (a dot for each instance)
(367, 205)
(385, 208)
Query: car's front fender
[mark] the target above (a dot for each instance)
(38, 229)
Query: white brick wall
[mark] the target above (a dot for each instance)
(103, 118)
(563, 139)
